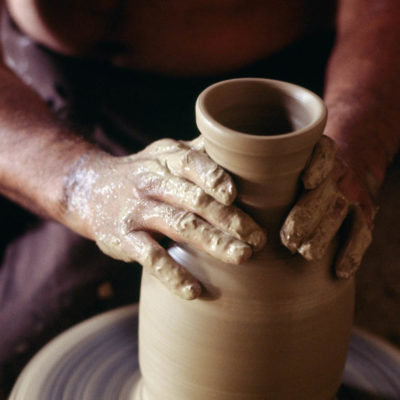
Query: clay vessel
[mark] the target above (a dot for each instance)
(276, 327)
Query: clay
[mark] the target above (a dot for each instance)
(276, 326)
(320, 212)
(314, 247)
(305, 216)
(181, 160)
(172, 188)
(321, 163)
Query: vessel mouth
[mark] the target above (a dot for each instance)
(263, 109)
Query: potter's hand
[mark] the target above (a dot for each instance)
(332, 194)
(172, 188)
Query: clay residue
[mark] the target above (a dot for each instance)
(321, 163)
(314, 247)
(197, 167)
(170, 188)
(305, 216)
(320, 212)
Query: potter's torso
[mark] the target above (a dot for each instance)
(173, 37)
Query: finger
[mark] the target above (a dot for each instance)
(186, 195)
(235, 222)
(141, 247)
(197, 144)
(184, 226)
(321, 163)
(360, 238)
(306, 214)
(197, 167)
(163, 146)
(314, 247)
(183, 159)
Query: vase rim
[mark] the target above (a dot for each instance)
(217, 132)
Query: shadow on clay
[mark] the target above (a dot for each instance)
(210, 292)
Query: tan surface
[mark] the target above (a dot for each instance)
(275, 326)
(171, 187)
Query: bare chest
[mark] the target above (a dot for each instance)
(178, 37)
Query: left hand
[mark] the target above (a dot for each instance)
(333, 193)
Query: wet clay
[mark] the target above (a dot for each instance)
(321, 163)
(320, 212)
(171, 188)
(276, 326)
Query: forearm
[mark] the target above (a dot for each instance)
(363, 85)
(36, 153)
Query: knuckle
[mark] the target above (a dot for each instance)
(215, 175)
(147, 167)
(198, 143)
(238, 222)
(329, 142)
(153, 255)
(112, 245)
(198, 197)
(126, 224)
(164, 145)
(150, 182)
(179, 161)
(184, 221)
(188, 156)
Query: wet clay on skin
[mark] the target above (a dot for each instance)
(318, 215)
(170, 187)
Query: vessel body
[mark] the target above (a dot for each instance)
(276, 327)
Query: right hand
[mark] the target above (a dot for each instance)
(173, 188)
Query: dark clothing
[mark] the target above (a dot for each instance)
(51, 278)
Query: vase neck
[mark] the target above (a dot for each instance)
(267, 183)
(262, 132)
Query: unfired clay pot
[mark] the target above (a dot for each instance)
(276, 327)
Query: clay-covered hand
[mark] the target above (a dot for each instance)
(173, 188)
(333, 195)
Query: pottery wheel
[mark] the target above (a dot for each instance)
(98, 360)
